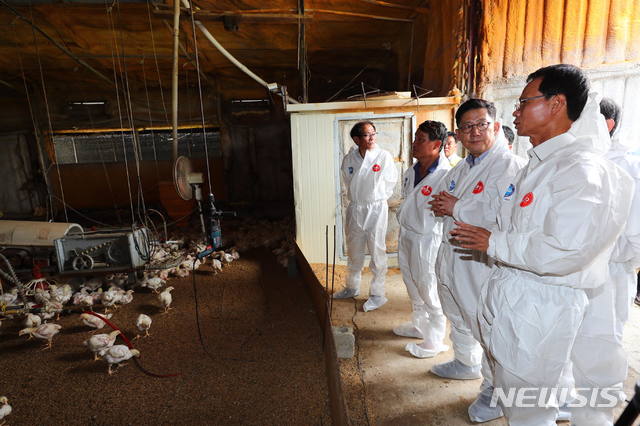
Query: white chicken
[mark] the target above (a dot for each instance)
(100, 342)
(144, 324)
(83, 298)
(41, 296)
(31, 321)
(166, 299)
(52, 307)
(153, 284)
(216, 265)
(5, 409)
(125, 298)
(9, 298)
(93, 284)
(117, 354)
(234, 253)
(110, 297)
(43, 332)
(93, 321)
(60, 294)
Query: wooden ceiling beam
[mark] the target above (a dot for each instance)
(417, 9)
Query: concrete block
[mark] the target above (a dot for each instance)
(345, 341)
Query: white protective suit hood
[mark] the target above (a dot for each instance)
(591, 122)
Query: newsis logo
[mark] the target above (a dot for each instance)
(546, 397)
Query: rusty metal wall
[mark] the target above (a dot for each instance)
(519, 36)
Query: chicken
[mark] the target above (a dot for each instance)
(117, 354)
(32, 321)
(93, 321)
(234, 253)
(153, 283)
(52, 307)
(93, 284)
(5, 409)
(100, 342)
(166, 299)
(9, 298)
(41, 296)
(144, 324)
(43, 332)
(83, 298)
(60, 294)
(110, 297)
(125, 298)
(216, 265)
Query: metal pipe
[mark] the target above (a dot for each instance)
(174, 81)
(237, 63)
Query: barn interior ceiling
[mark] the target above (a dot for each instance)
(97, 51)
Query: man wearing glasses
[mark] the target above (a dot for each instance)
(470, 191)
(550, 297)
(369, 175)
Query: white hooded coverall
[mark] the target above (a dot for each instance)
(369, 182)
(556, 234)
(420, 237)
(626, 254)
(460, 272)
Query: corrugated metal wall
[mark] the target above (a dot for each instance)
(600, 36)
(519, 36)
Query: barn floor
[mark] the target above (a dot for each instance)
(263, 362)
(384, 385)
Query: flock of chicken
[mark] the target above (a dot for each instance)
(49, 298)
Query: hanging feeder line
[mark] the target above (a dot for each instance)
(46, 104)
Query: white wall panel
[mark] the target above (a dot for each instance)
(312, 150)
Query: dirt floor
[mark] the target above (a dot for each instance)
(263, 362)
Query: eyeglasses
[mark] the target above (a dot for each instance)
(366, 135)
(482, 127)
(523, 101)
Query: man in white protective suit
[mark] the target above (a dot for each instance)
(549, 298)
(626, 254)
(420, 237)
(470, 192)
(369, 175)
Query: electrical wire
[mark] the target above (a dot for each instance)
(49, 202)
(115, 53)
(197, 309)
(204, 133)
(46, 104)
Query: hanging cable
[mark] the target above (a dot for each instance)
(104, 168)
(204, 132)
(46, 104)
(114, 54)
(129, 109)
(155, 58)
(153, 139)
(36, 134)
